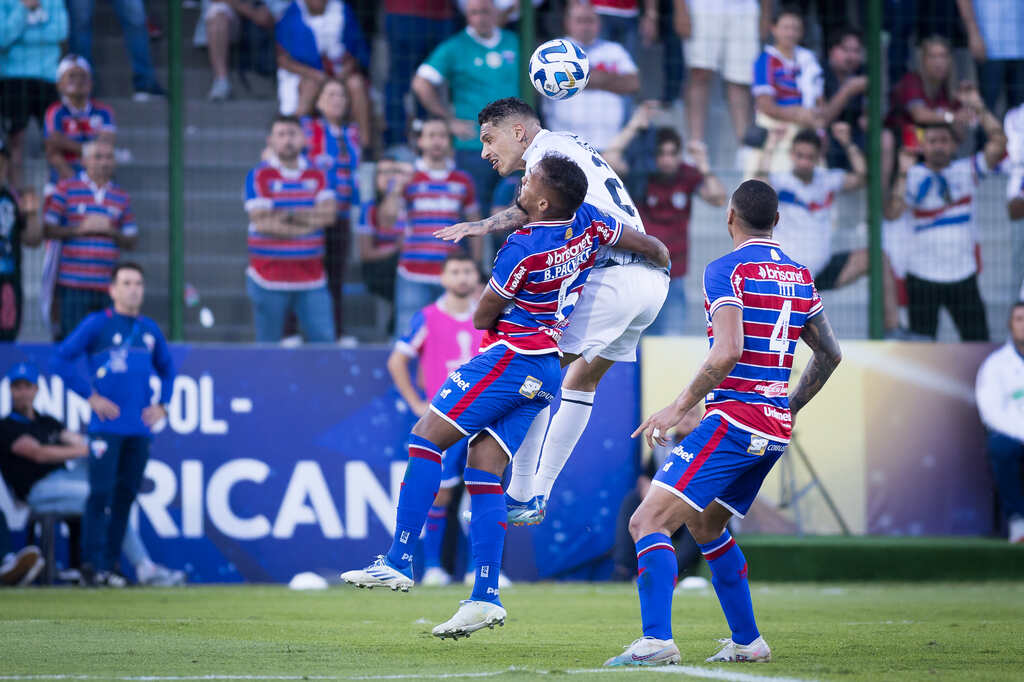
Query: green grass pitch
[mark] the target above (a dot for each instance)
(867, 631)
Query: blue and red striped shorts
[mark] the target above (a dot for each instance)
(500, 392)
(720, 462)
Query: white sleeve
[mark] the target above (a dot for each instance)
(1015, 185)
(1013, 125)
(991, 403)
(835, 179)
(623, 62)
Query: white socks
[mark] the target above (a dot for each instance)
(524, 464)
(567, 426)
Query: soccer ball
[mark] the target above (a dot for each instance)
(559, 69)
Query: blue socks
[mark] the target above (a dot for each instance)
(729, 577)
(656, 578)
(419, 488)
(437, 520)
(486, 531)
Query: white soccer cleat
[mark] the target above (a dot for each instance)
(647, 651)
(471, 616)
(380, 574)
(1017, 529)
(435, 576)
(756, 651)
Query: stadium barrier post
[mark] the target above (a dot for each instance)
(176, 168)
(876, 322)
(527, 41)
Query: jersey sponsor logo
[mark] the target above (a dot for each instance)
(758, 445)
(776, 447)
(775, 389)
(775, 255)
(568, 233)
(772, 413)
(456, 378)
(780, 275)
(445, 392)
(530, 387)
(517, 277)
(682, 454)
(571, 251)
(437, 204)
(668, 465)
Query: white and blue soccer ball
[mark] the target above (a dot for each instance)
(559, 69)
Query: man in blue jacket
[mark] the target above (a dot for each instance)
(122, 350)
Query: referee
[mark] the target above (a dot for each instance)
(122, 350)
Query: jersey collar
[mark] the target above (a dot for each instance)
(491, 42)
(758, 241)
(77, 112)
(434, 173)
(552, 223)
(442, 303)
(303, 164)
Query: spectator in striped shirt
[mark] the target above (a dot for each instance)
(290, 203)
(74, 120)
(437, 196)
(942, 249)
(92, 218)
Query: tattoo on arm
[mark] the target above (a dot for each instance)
(509, 219)
(819, 336)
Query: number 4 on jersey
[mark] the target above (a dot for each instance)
(779, 341)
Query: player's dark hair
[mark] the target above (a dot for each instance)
(808, 136)
(126, 265)
(567, 181)
(788, 10)
(756, 204)
(285, 118)
(1018, 304)
(666, 134)
(433, 119)
(502, 109)
(842, 34)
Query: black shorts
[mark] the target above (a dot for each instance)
(829, 275)
(22, 99)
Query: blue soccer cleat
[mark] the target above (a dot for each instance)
(528, 513)
(380, 574)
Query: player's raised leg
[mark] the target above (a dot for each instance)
(452, 466)
(525, 508)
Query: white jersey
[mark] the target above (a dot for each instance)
(605, 189)
(807, 216)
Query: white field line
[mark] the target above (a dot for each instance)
(684, 670)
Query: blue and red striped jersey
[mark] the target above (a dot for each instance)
(78, 125)
(541, 269)
(335, 150)
(286, 262)
(777, 296)
(777, 76)
(86, 261)
(434, 199)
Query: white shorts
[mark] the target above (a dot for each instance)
(617, 304)
(726, 42)
(234, 22)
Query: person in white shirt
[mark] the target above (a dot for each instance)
(942, 265)
(999, 391)
(807, 216)
(1013, 125)
(598, 113)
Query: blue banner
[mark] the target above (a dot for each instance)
(278, 461)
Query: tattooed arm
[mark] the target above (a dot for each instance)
(819, 336)
(727, 324)
(511, 218)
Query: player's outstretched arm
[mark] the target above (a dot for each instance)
(644, 245)
(511, 218)
(819, 336)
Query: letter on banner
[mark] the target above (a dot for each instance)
(218, 499)
(307, 481)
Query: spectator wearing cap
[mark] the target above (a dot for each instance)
(19, 225)
(74, 120)
(318, 39)
(31, 32)
(598, 113)
(132, 16)
(92, 218)
(478, 65)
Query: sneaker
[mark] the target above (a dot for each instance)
(380, 574)
(647, 651)
(156, 575)
(22, 568)
(220, 90)
(435, 576)
(1017, 529)
(471, 616)
(112, 579)
(148, 93)
(731, 651)
(528, 513)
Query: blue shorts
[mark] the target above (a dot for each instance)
(719, 462)
(453, 463)
(500, 392)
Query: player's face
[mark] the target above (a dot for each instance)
(333, 101)
(532, 197)
(23, 394)
(75, 82)
(503, 146)
(805, 158)
(582, 23)
(99, 162)
(460, 278)
(788, 30)
(1017, 325)
(667, 159)
(435, 141)
(938, 147)
(128, 289)
(286, 141)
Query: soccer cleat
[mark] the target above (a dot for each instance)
(155, 575)
(380, 574)
(528, 513)
(471, 616)
(435, 576)
(756, 651)
(647, 651)
(21, 568)
(1017, 529)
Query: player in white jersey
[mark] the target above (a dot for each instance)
(622, 298)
